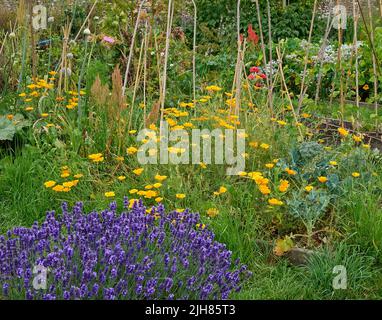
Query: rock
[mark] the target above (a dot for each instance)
(298, 256)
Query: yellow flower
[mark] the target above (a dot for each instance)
(290, 172)
(366, 87)
(133, 131)
(149, 187)
(269, 165)
(213, 88)
(96, 157)
(110, 194)
(275, 202)
(180, 195)
(212, 212)
(121, 178)
(133, 191)
(78, 175)
(366, 146)
(138, 171)
(357, 138)
(242, 173)
(203, 165)
(65, 174)
(308, 188)
(343, 132)
(263, 188)
(284, 185)
(131, 150)
(160, 178)
(28, 109)
(23, 94)
(58, 188)
(158, 199)
(50, 184)
(120, 159)
(355, 174)
(333, 163)
(44, 115)
(264, 146)
(322, 179)
(157, 185)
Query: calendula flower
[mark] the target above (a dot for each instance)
(78, 175)
(121, 178)
(264, 146)
(131, 150)
(213, 88)
(264, 189)
(284, 185)
(322, 179)
(58, 188)
(133, 191)
(343, 132)
(269, 165)
(138, 171)
(212, 212)
(366, 87)
(308, 188)
(160, 178)
(109, 194)
(158, 199)
(180, 195)
(50, 184)
(357, 138)
(333, 163)
(157, 185)
(275, 202)
(65, 174)
(290, 172)
(356, 174)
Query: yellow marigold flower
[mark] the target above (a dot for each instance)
(78, 175)
(356, 174)
(121, 178)
(269, 165)
(212, 212)
(180, 195)
(68, 184)
(131, 150)
(281, 123)
(23, 94)
(366, 87)
(149, 187)
(203, 165)
(138, 171)
(52, 73)
(322, 179)
(264, 146)
(306, 115)
(290, 172)
(158, 199)
(44, 115)
(131, 202)
(10, 116)
(160, 178)
(133, 131)
(333, 163)
(263, 188)
(157, 185)
(65, 174)
(58, 188)
(343, 132)
(29, 109)
(133, 191)
(109, 194)
(366, 146)
(242, 173)
(284, 185)
(50, 184)
(357, 138)
(222, 190)
(213, 88)
(308, 188)
(94, 156)
(275, 202)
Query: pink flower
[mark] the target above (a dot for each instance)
(251, 76)
(254, 69)
(108, 39)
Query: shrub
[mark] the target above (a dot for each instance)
(138, 254)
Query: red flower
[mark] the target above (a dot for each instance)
(251, 76)
(252, 36)
(263, 76)
(254, 69)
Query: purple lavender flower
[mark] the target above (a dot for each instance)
(132, 255)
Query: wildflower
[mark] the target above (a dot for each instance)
(366, 146)
(366, 87)
(264, 189)
(356, 174)
(180, 195)
(157, 185)
(264, 146)
(50, 184)
(58, 188)
(96, 157)
(120, 159)
(357, 138)
(275, 202)
(29, 109)
(23, 94)
(158, 199)
(109, 194)
(133, 191)
(44, 115)
(78, 175)
(121, 178)
(131, 150)
(213, 88)
(65, 174)
(309, 188)
(160, 178)
(322, 179)
(284, 185)
(269, 165)
(203, 165)
(343, 132)
(290, 172)
(333, 163)
(212, 212)
(138, 171)
(242, 173)
(133, 131)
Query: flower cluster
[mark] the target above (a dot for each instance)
(138, 254)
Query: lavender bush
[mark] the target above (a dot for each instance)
(138, 254)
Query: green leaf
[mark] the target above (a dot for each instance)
(7, 129)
